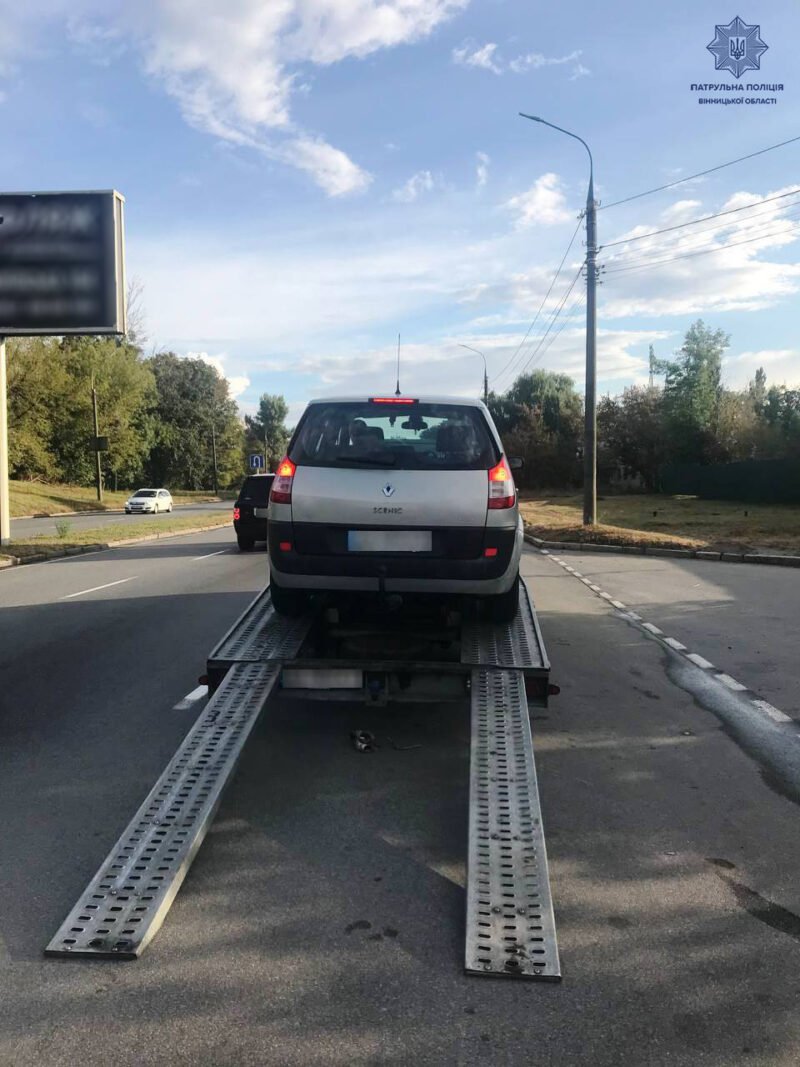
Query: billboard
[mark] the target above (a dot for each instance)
(62, 267)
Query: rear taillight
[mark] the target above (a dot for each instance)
(236, 514)
(281, 492)
(502, 493)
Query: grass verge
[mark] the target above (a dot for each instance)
(665, 522)
(35, 498)
(115, 532)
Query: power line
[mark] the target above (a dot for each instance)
(691, 255)
(499, 375)
(553, 318)
(576, 305)
(700, 174)
(694, 222)
(747, 230)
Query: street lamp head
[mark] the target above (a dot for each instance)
(533, 118)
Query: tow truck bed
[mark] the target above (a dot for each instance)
(499, 668)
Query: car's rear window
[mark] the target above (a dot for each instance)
(256, 489)
(419, 436)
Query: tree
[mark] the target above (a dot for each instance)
(692, 391)
(632, 434)
(193, 409)
(268, 426)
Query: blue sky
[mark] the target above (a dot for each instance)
(306, 178)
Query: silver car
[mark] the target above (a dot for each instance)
(395, 495)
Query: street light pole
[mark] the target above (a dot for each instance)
(485, 373)
(98, 469)
(590, 415)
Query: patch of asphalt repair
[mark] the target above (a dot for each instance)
(765, 733)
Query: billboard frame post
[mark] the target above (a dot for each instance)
(5, 515)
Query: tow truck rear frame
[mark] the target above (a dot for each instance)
(499, 668)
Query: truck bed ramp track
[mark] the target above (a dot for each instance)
(510, 925)
(126, 902)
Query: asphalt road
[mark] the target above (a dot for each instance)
(22, 528)
(322, 921)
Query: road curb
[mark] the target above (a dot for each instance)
(8, 562)
(764, 559)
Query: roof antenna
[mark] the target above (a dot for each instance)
(397, 390)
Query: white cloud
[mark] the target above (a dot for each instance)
(782, 366)
(236, 383)
(483, 58)
(421, 182)
(535, 61)
(482, 169)
(543, 204)
(487, 57)
(729, 274)
(233, 68)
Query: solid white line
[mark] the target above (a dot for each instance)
(674, 644)
(96, 588)
(731, 683)
(192, 698)
(774, 713)
(699, 661)
(653, 629)
(210, 554)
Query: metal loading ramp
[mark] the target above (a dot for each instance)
(510, 925)
(126, 902)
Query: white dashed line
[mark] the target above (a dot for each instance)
(674, 644)
(200, 693)
(699, 661)
(731, 683)
(208, 555)
(774, 713)
(97, 588)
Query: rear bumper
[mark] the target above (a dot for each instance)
(401, 572)
(255, 528)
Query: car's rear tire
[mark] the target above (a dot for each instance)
(503, 608)
(246, 544)
(290, 602)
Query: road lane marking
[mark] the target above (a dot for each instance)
(674, 644)
(763, 706)
(700, 661)
(731, 683)
(97, 588)
(208, 555)
(774, 713)
(200, 693)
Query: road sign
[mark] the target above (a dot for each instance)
(62, 267)
(256, 461)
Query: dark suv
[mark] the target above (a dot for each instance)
(250, 510)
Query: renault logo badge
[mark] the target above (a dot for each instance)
(388, 489)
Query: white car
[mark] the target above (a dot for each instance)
(149, 501)
(396, 495)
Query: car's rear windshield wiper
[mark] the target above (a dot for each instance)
(386, 459)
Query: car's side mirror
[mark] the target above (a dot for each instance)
(516, 464)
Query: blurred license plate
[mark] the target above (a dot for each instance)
(389, 540)
(260, 513)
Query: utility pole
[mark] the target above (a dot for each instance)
(652, 365)
(590, 424)
(485, 374)
(214, 455)
(98, 469)
(590, 415)
(5, 515)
